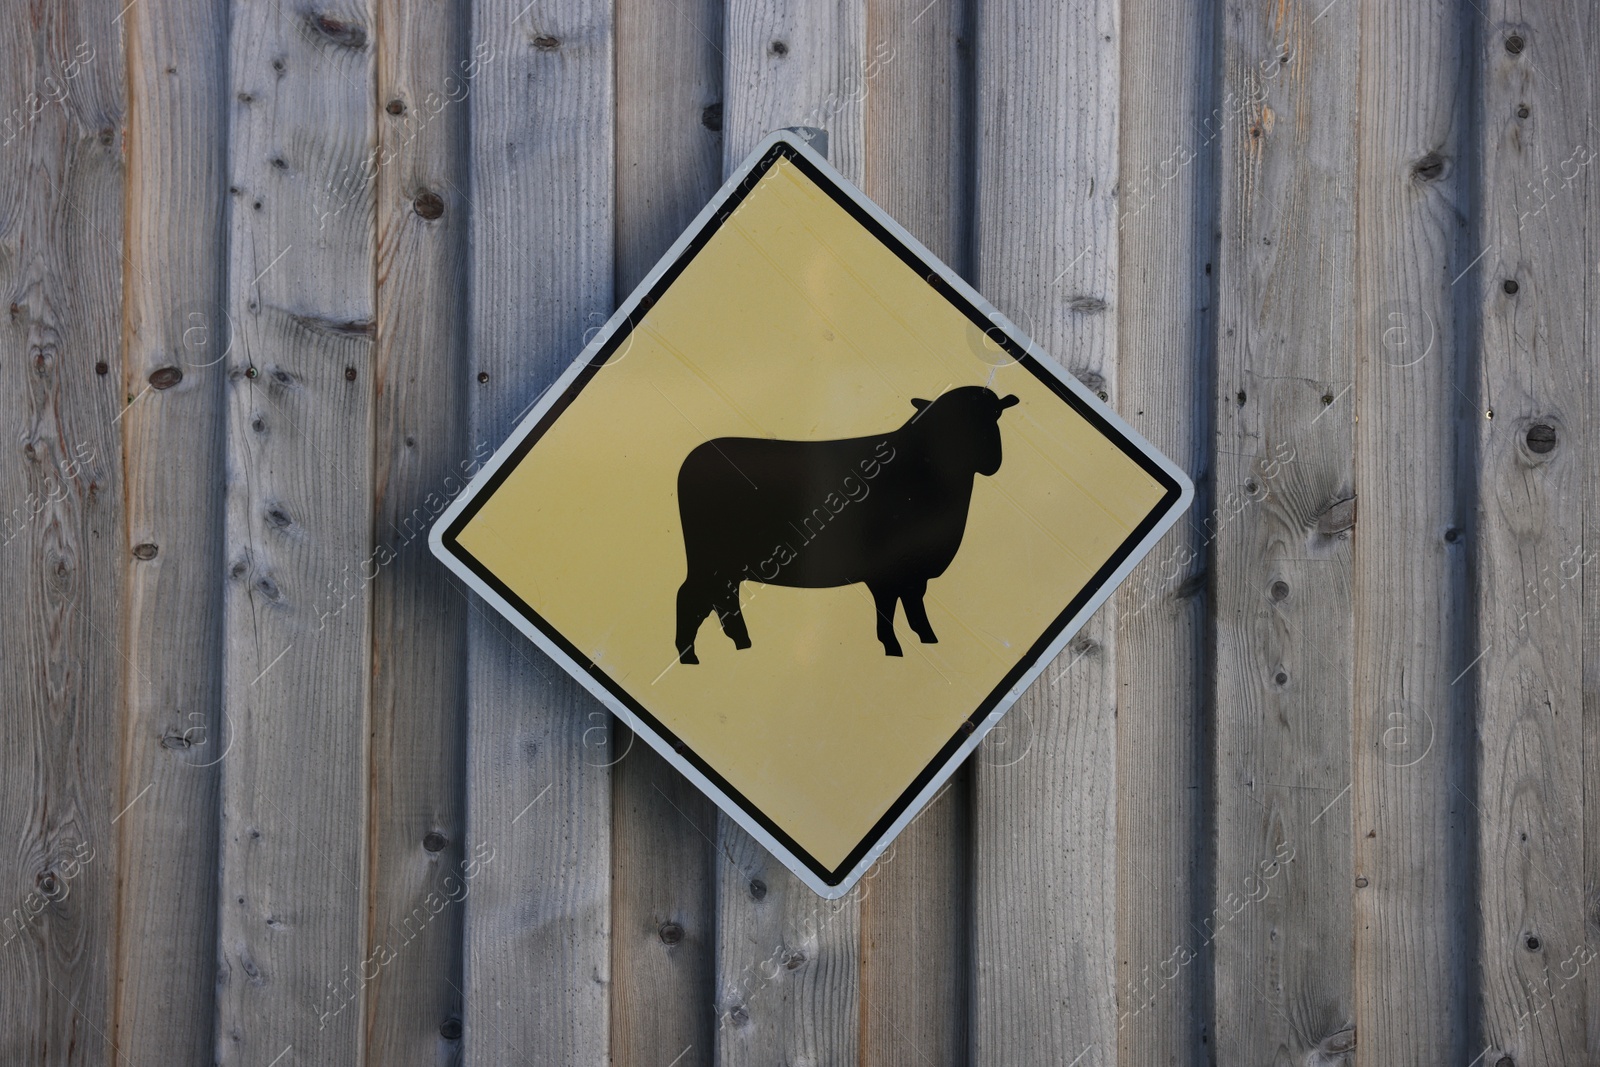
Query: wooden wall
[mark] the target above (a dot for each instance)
(1321, 786)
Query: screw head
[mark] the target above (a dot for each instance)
(434, 841)
(671, 933)
(1515, 44)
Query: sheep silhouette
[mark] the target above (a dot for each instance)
(888, 510)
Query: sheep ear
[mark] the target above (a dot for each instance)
(1008, 402)
(919, 403)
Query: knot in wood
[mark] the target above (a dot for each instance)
(338, 31)
(1541, 438)
(1428, 168)
(429, 205)
(165, 377)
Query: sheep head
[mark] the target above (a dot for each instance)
(962, 428)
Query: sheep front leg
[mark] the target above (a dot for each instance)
(883, 599)
(916, 614)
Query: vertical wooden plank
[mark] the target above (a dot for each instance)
(663, 955)
(788, 969)
(63, 540)
(1410, 801)
(1535, 289)
(176, 335)
(795, 63)
(1045, 252)
(1282, 917)
(542, 163)
(421, 460)
(1591, 657)
(293, 960)
(1170, 143)
(916, 88)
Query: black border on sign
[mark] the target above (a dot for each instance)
(783, 150)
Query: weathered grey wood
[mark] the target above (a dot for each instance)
(1535, 289)
(1166, 347)
(788, 974)
(1281, 924)
(663, 859)
(1044, 886)
(1412, 871)
(174, 447)
(293, 961)
(63, 539)
(538, 923)
(795, 63)
(426, 74)
(788, 969)
(917, 92)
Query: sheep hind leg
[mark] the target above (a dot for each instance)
(883, 600)
(916, 614)
(731, 614)
(693, 607)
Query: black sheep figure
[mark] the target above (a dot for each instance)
(888, 510)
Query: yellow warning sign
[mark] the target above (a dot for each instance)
(809, 514)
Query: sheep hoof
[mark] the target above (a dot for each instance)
(892, 650)
(688, 656)
(742, 644)
(929, 639)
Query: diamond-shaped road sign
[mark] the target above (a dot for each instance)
(809, 514)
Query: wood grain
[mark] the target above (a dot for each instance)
(1044, 825)
(1166, 348)
(293, 960)
(277, 790)
(63, 536)
(788, 962)
(538, 923)
(788, 978)
(1537, 231)
(917, 94)
(1412, 771)
(427, 71)
(174, 443)
(663, 859)
(1281, 926)
(795, 63)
